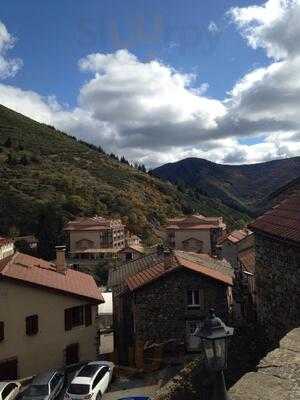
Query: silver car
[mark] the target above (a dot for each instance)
(45, 386)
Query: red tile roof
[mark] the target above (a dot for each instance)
(35, 271)
(92, 223)
(282, 221)
(199, 263)
(247, 258)
(195, 222)
(5, 240)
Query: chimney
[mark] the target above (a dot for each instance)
(168, 259)
(60, 259)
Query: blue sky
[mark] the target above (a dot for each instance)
(190, 37)
(54, 35)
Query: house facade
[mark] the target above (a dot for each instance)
(94, 238)
(195, 233)
(56, 321)
(6, 247)
(277, 260)
(166, 301)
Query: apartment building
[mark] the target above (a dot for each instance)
(93, 238)
(195, 233)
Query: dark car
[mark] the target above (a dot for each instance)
(45, 386)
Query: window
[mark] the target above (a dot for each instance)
(100, 376)
(32, 325)
(74, 317)
(38, 390)
(76, 388)
(193, 298)
(54, 381)
(8, 389)
(1, 331)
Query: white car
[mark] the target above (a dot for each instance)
(91, 381)
(9, 390)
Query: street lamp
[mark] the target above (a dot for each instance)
(215, 335)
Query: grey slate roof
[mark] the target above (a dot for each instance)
(118, 275)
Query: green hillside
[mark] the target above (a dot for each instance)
(48, 177)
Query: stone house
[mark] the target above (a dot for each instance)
(277, 272)
(234, 243)
(195, 233)
(94, 238)
(6, 247)
(161, 299)
(47, 315)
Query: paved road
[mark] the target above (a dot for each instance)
(142, 391)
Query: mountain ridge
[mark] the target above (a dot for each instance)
(241, 187)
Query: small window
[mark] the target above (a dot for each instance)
(78, 316)
(193, 298)
(1, 331)
(32, 325)
(100, 376)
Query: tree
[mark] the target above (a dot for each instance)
(8, 142)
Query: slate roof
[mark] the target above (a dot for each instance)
(34, 271)
(282, 221)
(203, 264)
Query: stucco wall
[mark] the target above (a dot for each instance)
(46, 349)
(277, 284)
(203, 235)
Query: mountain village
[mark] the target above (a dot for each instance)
(144, 314)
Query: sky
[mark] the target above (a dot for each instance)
(158, 81)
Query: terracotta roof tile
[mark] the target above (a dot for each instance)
(237, 235)
(31, 270)
(92, 223)
(282, 220)
(200, 263)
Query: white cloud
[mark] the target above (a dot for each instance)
(151, 112)
(213, 27)
(8, 67)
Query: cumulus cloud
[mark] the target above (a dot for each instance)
(151, 112)
(8, 67)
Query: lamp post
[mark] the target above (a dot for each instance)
(215, 335)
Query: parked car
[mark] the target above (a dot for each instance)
(91, 381)
(9, 390)
(45, 386)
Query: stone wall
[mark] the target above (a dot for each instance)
(161, 307)
(277, 376)
(277, 283)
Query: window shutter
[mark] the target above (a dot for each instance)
(88, 314)
(1, 331)
(68, 319)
